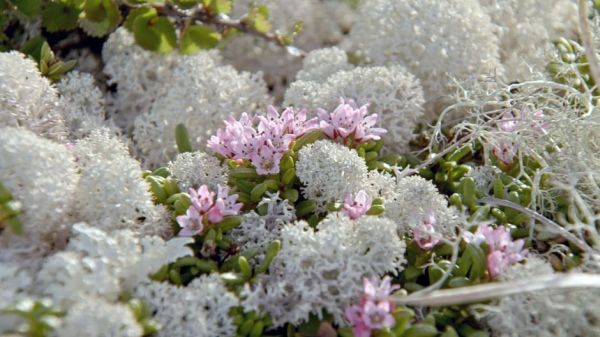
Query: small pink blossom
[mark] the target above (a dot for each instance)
(378, 316)
(190, 223)
(266, 160)
(358, 206)
(348, 120)
(503, 251)
(425, 234)
(206, 206)
(374, 309)
(378, 291)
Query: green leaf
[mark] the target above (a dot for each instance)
(94, 10)
(153, 32)
(33, 47)
(134, 14)
(107, 24)
(31, 8)
(60, 16)
(186, 4)
(220, 6)
(195, 37)
(167, 33)
(258, 19)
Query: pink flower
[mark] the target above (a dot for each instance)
(425, 235)
(190, 223)
(356, 207)
(266, 160)
(231, 207)
(202, 200)
(376, 291)
(349, 120)
(354, 315)
(374, 309)
(378, 316)
(217, 212)
(503, 251)
(206, 206)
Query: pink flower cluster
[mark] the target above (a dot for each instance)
(348, 121)
(263, 140)
(207, 207)
(263, 144)
(503, 251)
(374, 311)
(425, 235)
(355, 207)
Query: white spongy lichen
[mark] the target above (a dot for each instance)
(328, 171)
(319, 64)
(27, 99)
(414, 200)
(96, 263)
(318, 271)
(257, 231)
(393, 93)
(201, 94)
(41, 175)
(81, 104)
(435, 40)
(193, 169)
(138, 74)
(111, 193)
(99, 318)
(199, 310)
(527, 29)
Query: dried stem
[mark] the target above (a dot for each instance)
(587, 40)
(482, 292)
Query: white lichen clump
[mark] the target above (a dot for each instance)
(111, 193)
(392, 93)
(328, 171)
(414, 200)
(435, 40)
(526, 31)
(193, 169)
(202, 102)
(138, 74)
(104, 265)
(82, 104)
(27, 99)
(201, 309)
(41, 175)
(99, 318)
(257, 231)
(322, 270)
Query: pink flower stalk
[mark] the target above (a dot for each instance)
(503, 251)
(207, 207)
(425, 235)
(348, 120)
(358, 206)
(374, 311)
